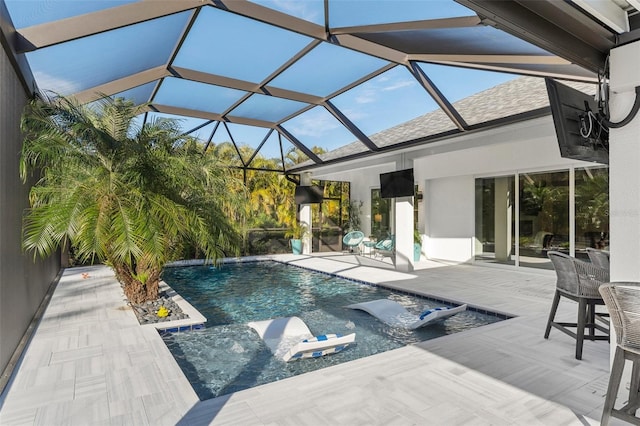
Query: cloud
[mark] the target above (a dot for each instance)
(366, 96)
(314, 124)
(60, 86)
(398, 85)
(297, 8)
(369, 93)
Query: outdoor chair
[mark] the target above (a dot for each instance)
(385, 247)
(578, 281)
(352, 240)
(599, 258)
(623, 302)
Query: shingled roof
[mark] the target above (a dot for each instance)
(517, 96)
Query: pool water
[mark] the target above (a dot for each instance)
(228, 356)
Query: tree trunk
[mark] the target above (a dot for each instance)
(152, 288)
(134, 288)
(135, 291)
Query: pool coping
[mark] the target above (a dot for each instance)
(195, 320)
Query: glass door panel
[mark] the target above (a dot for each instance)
(495, 220)
(592, 210)
(544, 217)
(380, 215)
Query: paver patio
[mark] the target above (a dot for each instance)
(89, 362)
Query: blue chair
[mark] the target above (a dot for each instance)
(353, 240)
(385, 247)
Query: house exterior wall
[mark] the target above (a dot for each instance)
(449, 209)
(449, 177)
(445, 173)
(23, 281)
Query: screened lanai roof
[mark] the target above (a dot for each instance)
(326, 77)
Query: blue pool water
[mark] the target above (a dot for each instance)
(228, 356)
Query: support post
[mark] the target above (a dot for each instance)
(306, 217)
(404, 233)
(624, 168)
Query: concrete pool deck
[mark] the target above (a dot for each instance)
(90, 362)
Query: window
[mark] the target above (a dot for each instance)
(543, 216)
(592, 210)
(495, 220)
(380, 215)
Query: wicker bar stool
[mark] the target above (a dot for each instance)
(578, 281)
(623, 302)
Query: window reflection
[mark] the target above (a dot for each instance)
(592, 209)
(380, 215)
(544, 216)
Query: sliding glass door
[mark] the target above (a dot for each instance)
(543, 217)
(495, 219)
(592, 210)
(553, 212)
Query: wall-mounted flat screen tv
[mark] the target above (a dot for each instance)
(397, 184)
(309, 194)
(581, 135)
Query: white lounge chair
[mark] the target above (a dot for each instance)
(290, 339)
(396, 315)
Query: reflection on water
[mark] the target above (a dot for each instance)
(228, 356)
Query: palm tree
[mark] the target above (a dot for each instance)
(132, 196)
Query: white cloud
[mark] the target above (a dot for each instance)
(366, 97)
(398, 85)
(48, 83)
(297, 8)
(314, 125)
(355, 114)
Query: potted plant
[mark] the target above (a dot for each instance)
(417, 245)
(297, 233)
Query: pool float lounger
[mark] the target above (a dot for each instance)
(396, 315)
(290, 339)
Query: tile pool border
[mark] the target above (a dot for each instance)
(258, 259)
(195, 320)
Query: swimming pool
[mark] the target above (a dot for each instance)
(228, 356)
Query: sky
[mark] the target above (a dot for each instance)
(230, 46)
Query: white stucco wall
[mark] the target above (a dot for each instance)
(446, 173)
(449, 209)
